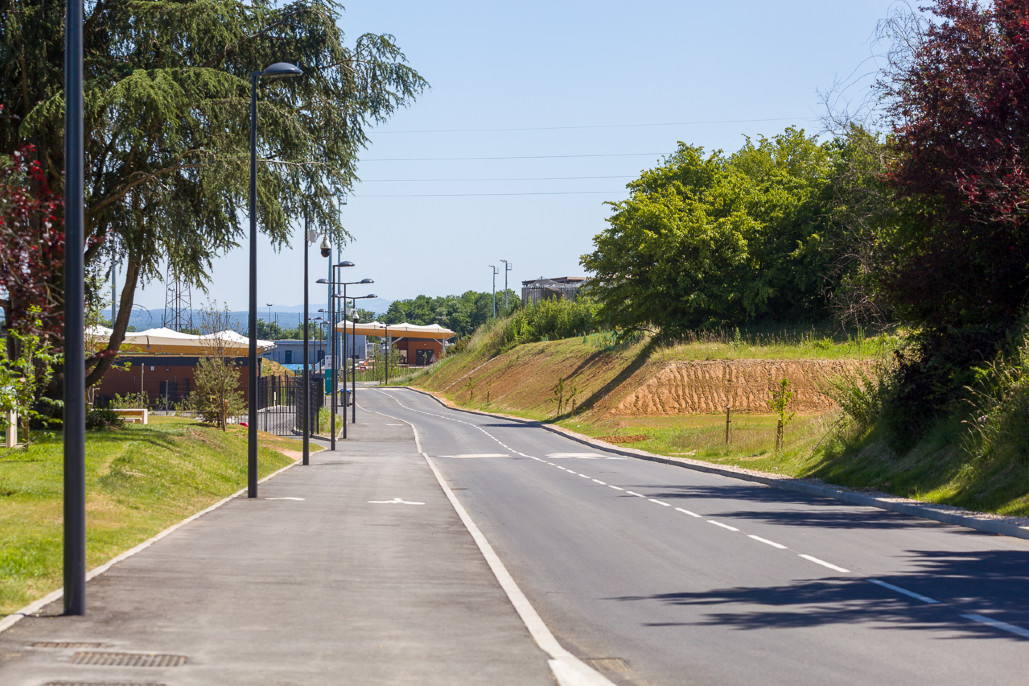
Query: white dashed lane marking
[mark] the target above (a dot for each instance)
(475, 455)
(973, 617)
(997, 624)
(898, 589)
(780, 546)
(724, 526)
(828, 565)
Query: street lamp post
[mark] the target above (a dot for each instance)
(309, 239)
(74, 319)
(495, 272)
(279, 69)
(388, 350)
(507, 268)
(331, 283)
(353, 366)
(344, 337)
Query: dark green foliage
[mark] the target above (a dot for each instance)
(552, 319)
(167, 94)
(714, 240)
(547, 320)
(462, 314)
(101, 418)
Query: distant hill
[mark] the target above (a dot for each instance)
(287, 316)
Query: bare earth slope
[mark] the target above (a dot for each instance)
(534, 377)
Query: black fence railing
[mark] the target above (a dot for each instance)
(280, 404)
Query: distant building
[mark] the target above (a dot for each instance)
(560, 287)
(290, 352)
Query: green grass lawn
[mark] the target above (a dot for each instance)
(751, 441)
(139, 481)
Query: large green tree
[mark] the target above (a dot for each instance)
(167, 91)
(719, 240)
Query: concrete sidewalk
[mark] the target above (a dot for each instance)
(352, 570)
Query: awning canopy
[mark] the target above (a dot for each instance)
(164, 341)
(405, 330)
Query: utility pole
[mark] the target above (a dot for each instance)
(507, 268)
(495, 272)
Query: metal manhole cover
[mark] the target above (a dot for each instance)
(67, 645)
(608, 664)
(108, 659)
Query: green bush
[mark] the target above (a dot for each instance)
(99, 418)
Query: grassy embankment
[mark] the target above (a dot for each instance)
(593, 373)
(139, 481)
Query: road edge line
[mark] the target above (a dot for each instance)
(567, 669)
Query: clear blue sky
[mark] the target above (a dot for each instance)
(546, 95)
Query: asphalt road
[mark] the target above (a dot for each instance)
(656, 574)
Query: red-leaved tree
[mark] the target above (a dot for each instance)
(31, 248)
(958, 99)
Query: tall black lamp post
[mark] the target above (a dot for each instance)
(344, 332)
(277, 70)
(332, 355)
(74, 319)
(353, 364)
(309, 239)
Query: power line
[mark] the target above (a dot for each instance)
(607, 126)
(525, 178)
(511, 157)
(474, 195)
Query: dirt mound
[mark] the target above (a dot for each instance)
(553, 378)
(674, 388)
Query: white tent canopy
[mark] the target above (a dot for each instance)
(169, 342)
(405, 330)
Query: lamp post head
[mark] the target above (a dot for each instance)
(281, 69)
(322, 281)
(345, 263)
(367, 281)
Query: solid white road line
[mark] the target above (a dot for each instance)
(568, 670)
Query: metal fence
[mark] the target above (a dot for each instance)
(280, 404)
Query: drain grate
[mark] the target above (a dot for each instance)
(67, 645)
(608, 664)
(107, 659)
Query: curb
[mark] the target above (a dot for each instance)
(991, 524)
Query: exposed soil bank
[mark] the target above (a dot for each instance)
(541, 376)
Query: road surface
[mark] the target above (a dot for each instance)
(656, 574)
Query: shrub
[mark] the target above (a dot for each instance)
(100, 418)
